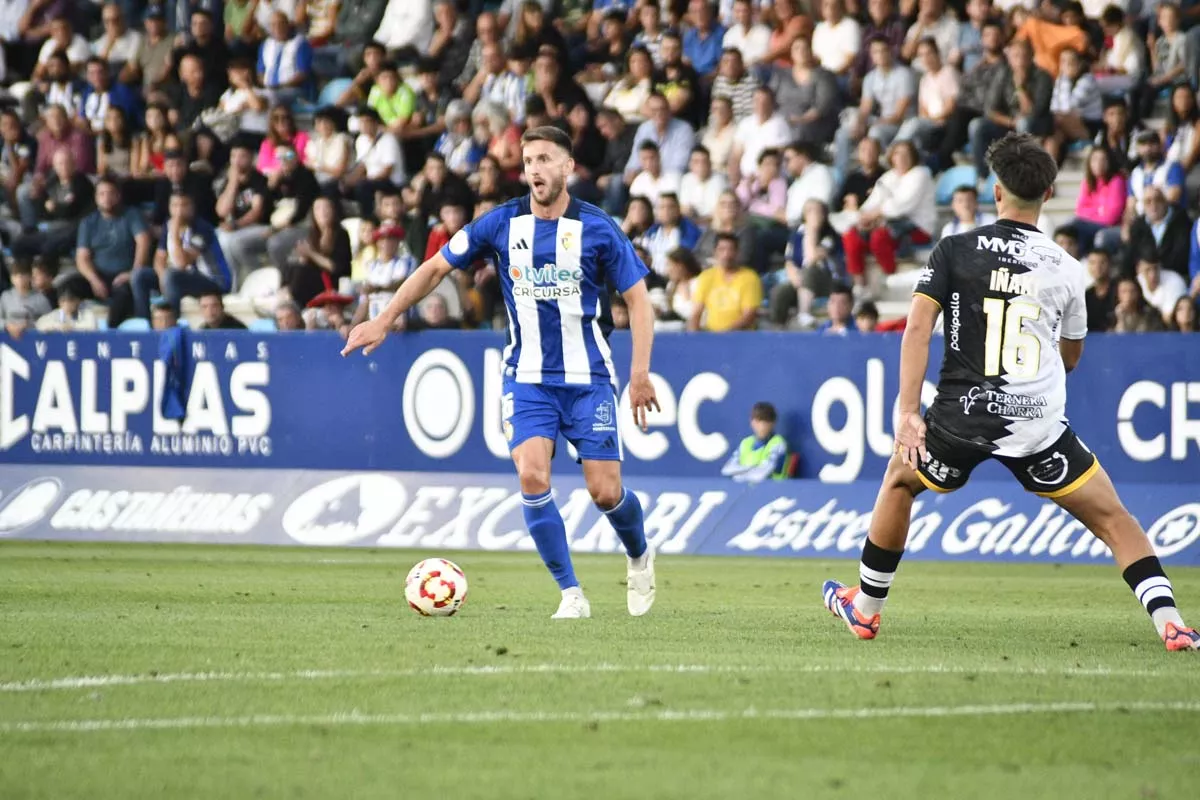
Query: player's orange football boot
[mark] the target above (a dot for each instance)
(839, 599)
(1177, 638)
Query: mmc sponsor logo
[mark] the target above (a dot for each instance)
(547, 282)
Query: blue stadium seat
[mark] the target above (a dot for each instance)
(331, 91)
(951, 179)
(135, 325)
(987, 195)
(263, 325)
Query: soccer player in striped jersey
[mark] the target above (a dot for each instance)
(557, 258)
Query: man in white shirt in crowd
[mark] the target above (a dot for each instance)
(652, 182)
(765, 128)
(745, 34)
(1162, 287)
(937, 97)
(935, 22)
(889, 97)
(378, 162)
(811, 180)
(837, 38)
(700, 188)
(407, 27)
(118, 44)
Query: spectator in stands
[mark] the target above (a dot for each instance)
(1075, 103)
(1182, 134)
(188, 263)
(651, 182)
(533, 31)
(937, 94)
(1153, 170)
(487, 32)
(808, 96)
(967, 216)
(320, 258)
(1019, 100)
(374, 56)
(968, 51)
(244, 208)
(812, 267)
(117, 45)
(857, 186)
(458, 144)
(242, 107)
(700, 188)
(630, 91)
(284, 62)
(392, 265)
(1117, 136)
(378, 162)
(866, 317)
(327, 312)
(214, 315)
(673, 137)
(750, 37)
(718, 136)
(559, 92)
(683, 269)
(58, 134)
(736, 84)
(393, 99)
(293, 189)
(114, 147)
(198, 92)
(357, 21)
(112, 242)
(790, 25)
(152, 143)
(650, 36)
(1169, 55)
(179, 178)
(206, 42)
(1183, 318)
(610, 175)
(58, 85)
(974, 88)
(935, 22)
(901, 208)
(1049, 35)
(1160, 234)
(497, 82)
(288, 318)
(840, 308)
(727, 295)
(406, 28)
(429, 110)
(761, 455)
(282, 131)
(69, 316)
(1162, 288)
(451, 42)
(329, 151)
(151, 65)
(1122, 63)
(1101, 204)
(163, 317)
(242, 32)
(18, 154)
(102, 94)
(679, 82)
(764, 193)
(836, 40)
(811, 180)
(888, 99)
(604, 56)
(431, 189)
(670, 231)
(1133, 314)
(1101, 297)
(764, 129)
(64, 39)
(21, 296)
(51, 209)
(882, 23)
(728, 217)
(702, 41)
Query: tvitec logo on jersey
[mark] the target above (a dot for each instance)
(103, 396)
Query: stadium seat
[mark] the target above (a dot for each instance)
(134, 325)
(332, 91)
(987, 195)
(260, 283)
(951, 179)
(263, 326)
(793, 465)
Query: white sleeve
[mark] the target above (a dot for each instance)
(1074, 323)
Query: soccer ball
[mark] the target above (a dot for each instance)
(435, 588)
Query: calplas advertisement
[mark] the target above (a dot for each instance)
(984, 521)
(432, 402)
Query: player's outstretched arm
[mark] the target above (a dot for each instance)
(641, 325)
(370, 334)
(914, 360)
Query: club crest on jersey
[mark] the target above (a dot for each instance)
(567, 240)
(1049, 471)
(604, 417)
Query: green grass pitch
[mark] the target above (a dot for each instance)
(240, 672)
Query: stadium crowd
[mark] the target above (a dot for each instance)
(773, 162)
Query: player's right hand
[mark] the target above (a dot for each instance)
(910, 439)
(367, 335)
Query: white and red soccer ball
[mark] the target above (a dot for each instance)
(435, 588)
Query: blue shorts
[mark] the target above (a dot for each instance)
(586, 416)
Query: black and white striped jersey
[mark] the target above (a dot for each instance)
(1007, 294)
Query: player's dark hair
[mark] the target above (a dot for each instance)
(1022, 167)
(549, 133)
(764, 412)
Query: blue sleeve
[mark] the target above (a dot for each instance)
(1194, 252)
(262, 65)
(690, 234)
(1175, 174)
(84, 236)
(733, 466)
(474, 241)
(304, 57)
(625, 268)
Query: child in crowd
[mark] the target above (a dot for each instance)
(761, 455)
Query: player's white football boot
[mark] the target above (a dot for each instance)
(573, 606)
(639, 582)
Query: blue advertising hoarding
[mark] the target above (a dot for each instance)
(430, 402)
(986, 521)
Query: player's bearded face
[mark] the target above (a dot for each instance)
(546, 172)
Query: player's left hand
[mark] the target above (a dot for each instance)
(910, 439)
(642, 399)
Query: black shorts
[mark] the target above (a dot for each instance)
(1054, 472)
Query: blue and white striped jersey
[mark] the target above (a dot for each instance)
(556, 276)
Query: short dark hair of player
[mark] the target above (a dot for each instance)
(765, 412)
(1022, 167)
(551, 134)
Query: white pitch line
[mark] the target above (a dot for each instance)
(99, 681)
(551, 717)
